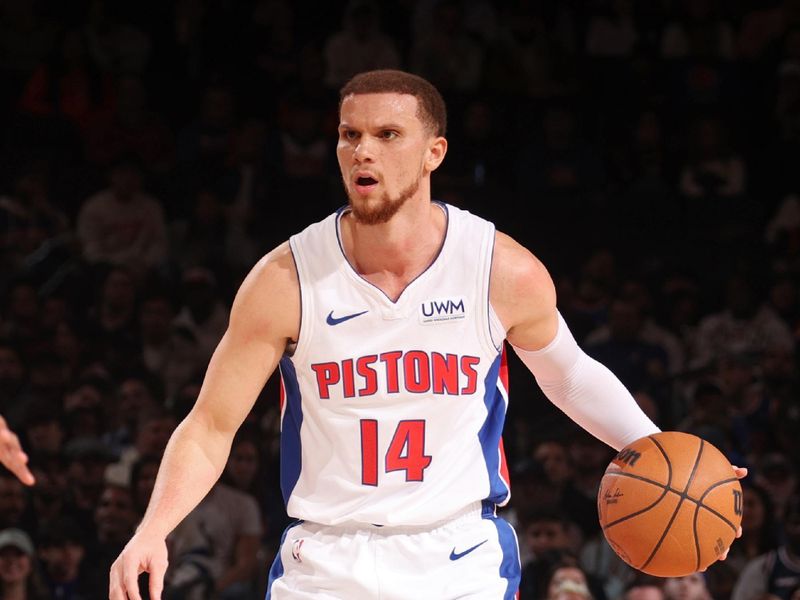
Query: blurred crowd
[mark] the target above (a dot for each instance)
(150, 152)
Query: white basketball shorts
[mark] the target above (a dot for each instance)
(473, 555)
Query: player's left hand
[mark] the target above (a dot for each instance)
(741, 473)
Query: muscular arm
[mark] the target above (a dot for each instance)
(264, 317)
(524, 298)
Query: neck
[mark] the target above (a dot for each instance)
(15, 590)
(392, 254)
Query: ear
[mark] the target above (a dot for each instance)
(435, 155)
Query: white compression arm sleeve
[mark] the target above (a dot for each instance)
(586, 391)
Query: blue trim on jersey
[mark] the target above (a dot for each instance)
(491, 431)
(291, 446)
(276, 570)
(510, 568)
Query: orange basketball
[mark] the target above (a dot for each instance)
(670, 504)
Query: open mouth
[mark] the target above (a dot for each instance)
(365, 184)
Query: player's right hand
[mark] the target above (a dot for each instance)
(12, 455)
(142, 554)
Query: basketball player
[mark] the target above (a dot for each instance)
(388, 320)
(12, 456)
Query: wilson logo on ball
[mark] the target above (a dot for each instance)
(629, 457)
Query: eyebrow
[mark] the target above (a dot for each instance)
(382, 127)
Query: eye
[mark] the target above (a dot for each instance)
(388, 134)
(348, 134)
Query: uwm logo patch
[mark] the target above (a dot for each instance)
(438, 311)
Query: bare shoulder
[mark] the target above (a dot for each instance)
(269, 297)
(522, 294)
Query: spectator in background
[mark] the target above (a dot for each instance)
(650, 331)
(69, 84)
(714, 169)
(547, 536)
(86, 461)
(13, 502)
(153, 428)
(114, 519)
(62, 550)
(136, 394)
(14, 387)
(567, 581)
(761, 26)
(359, 46)
(116, 46)
(448, 56)
(759, 536)
(32, 221)
(168, 352)
(698, 18)
(560, 173)
(21, 316)
(121, 224)
(19, 579)
(131, 129)
(202, 312)
(111, 326)
(640, 365)
(776, 572)
(688, 587)
(777, 475)
(43, 429)
(743, 326)
(49, 495)
(230, 523)
(203, 143)
(612, 33)
(644, 587)
(143, 478)
(589, 458)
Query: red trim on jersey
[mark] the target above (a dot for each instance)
(503, 375)
(282, 397)
(504, 368)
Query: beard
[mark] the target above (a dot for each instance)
(384, 210)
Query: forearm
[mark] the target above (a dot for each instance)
(587, 391)
(193, 461)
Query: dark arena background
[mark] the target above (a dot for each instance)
(646, 150)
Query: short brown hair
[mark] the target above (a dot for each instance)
(431, 109)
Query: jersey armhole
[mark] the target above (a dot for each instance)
(497, 332)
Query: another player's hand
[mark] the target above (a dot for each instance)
(142, 554)
(741, 473)
(12, 455)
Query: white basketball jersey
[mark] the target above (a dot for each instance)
(392, 412)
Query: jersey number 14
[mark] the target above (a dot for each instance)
(406, 451)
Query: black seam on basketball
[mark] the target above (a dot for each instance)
(711, 510)
(666, 458)
(638, 512)
(683, 496)
(666, 488)
(698, 503)
(696, 540)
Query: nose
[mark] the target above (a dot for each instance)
(364, 151)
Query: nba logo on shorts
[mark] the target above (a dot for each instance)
(296, 547)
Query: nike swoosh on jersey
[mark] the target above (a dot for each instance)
(331, 320)
(456, 555)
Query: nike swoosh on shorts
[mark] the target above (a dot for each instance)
(456, 555)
